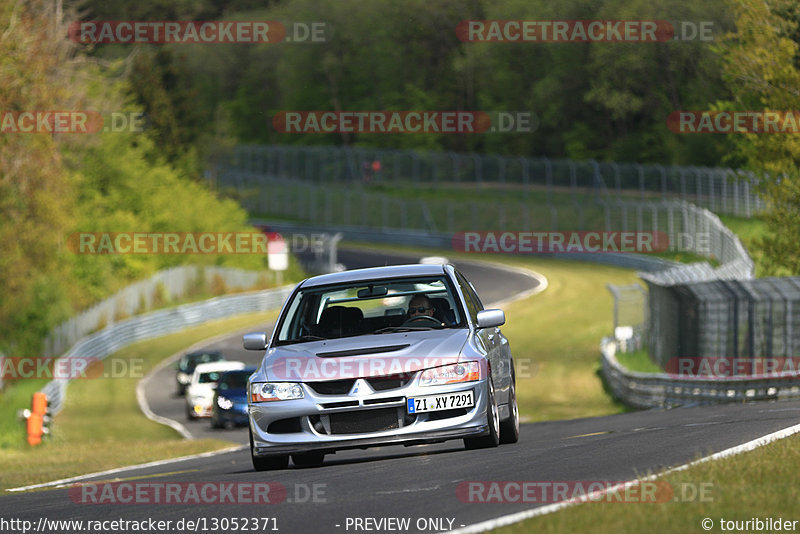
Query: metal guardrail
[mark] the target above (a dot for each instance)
(139, 297)
(657, 390)
(111, 339)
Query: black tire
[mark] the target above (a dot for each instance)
(493, 438)
(268, 463)
(190, 414)
(215, 423)
(509, 429)
(308, 459)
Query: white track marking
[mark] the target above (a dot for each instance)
(550, 508)
(157, 463)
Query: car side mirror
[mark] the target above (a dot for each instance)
(490, 318)
(255, 341)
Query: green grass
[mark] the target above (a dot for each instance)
(638, 361)
(757, 484)
(101, 426)
(749, 232)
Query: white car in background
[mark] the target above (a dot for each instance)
(200, 391)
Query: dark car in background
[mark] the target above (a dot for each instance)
(189, 361)
(230, 399)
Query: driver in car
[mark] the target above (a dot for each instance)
(420, 306)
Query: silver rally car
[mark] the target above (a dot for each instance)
(388, 355)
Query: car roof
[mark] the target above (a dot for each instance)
(375, 273)
(218, 366)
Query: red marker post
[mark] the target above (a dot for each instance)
(277, 255)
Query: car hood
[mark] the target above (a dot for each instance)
(365, 356)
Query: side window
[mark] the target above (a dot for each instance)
(473, 305)
(474, 295)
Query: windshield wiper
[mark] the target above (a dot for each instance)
(390, 329)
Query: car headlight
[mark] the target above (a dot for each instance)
(275, 391)
(450, 374)
(224, 403)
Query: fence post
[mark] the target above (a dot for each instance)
(548, 170)
(364, 206)
(573, 180)
(747, 210)
(403, 214)
(641, 181)
(526, 222)
(451, 227)
(525, 174)
(663, 172)
(478, 168)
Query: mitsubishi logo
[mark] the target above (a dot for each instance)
(361, 386)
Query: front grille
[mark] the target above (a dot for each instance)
(332, 387)
(386, 383)
(363, 421)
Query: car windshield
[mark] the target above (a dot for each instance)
(208, 378)
(367, 308)
(190, 361)
(235, 379)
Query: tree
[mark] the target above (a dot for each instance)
(761, 61)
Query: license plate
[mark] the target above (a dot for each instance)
(447, 401)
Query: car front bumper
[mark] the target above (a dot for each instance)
(310, 423)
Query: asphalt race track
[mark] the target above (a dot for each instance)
(418, 483)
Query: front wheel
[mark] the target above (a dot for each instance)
(509, 429)
(492, 420)
(267, 463)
